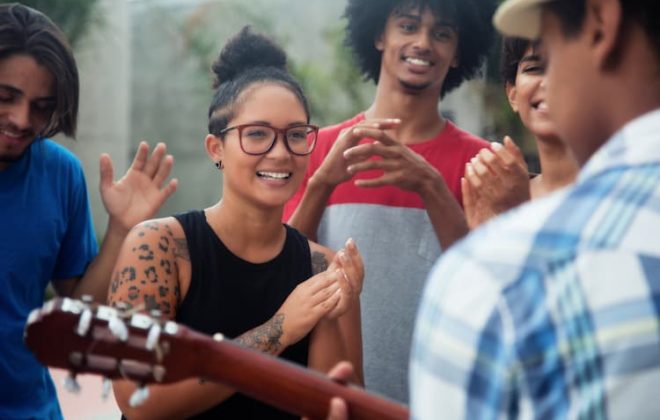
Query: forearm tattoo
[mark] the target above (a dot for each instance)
(319, 262)
(151, 283)
(265, 337)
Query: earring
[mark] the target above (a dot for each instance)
(219, 165)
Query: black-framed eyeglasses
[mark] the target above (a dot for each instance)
(259, 139)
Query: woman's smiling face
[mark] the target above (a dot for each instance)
(527, 95)
(272, 178)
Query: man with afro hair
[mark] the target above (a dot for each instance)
(390, 176)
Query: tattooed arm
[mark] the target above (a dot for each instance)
(153, 270)
(137, 196)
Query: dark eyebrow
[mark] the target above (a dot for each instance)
(418, 18)
(409, 16)
(531, 57)
(18, 92)
(11, 89)
(293, 124)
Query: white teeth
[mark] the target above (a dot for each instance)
(417, 61)
(10, 134)
(540, 106)
(274, 175)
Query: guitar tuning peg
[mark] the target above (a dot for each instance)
(139, 396)
(84, 322)
(121, 307)
(153, 336)
(118, 328)
(107, 386)
(71, 384)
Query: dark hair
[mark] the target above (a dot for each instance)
(646, 13)
(26, 31)
(513, 50)
(366, 20)
(246, 59)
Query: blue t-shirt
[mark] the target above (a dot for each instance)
(46, 233)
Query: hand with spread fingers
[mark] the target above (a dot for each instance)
(495, 181)
(334, 169)
(140, 193)
(402, 167)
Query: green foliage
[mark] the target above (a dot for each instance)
(335, 92)
(333, 85)
(74, 17)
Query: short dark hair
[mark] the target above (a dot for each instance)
(646, 13)
(26, 31)
(366, 20)
(513, 50)
(246, 59)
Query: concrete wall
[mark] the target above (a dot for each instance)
(104, 64)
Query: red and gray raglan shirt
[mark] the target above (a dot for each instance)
(396, 239)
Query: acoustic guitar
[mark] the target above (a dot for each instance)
(87, 338)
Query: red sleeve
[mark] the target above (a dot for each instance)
(293, 202)
(327, 137)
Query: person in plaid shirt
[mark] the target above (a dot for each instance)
(553, 310)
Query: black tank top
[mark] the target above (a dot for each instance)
(230, 295)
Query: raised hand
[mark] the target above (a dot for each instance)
(495, 181)
(333, 170)
(140, 193)
(310, 301)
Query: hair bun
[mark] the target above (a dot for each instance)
(244, 51)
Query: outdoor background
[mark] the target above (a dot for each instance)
(144, 68)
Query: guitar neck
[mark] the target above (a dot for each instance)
(69, 334)
(282, 384)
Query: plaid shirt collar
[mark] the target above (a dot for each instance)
(635, 144)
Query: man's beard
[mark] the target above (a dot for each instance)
(11, 158)
(414, 89)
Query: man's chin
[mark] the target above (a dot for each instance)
(8, 159)
(415, 88)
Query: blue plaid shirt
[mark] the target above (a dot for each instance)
(553, 310)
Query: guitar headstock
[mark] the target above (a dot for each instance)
(87, 338)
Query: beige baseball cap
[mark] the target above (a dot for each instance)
(521, 18)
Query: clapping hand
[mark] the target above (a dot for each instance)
(402, 167)
(495, 181)
(349, 266)
(334, 169)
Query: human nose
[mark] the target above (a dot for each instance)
(279, 147)
(19, 115)
(422, 41)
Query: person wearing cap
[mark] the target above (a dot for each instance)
(553, 310)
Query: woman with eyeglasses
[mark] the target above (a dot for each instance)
(234, 268)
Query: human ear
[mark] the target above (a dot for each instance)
(603, 23)
(215, 148)
(511, 94)
(378, 42)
